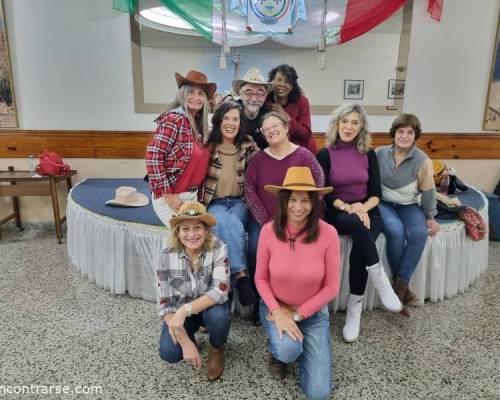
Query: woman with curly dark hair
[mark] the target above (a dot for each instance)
(289, 100)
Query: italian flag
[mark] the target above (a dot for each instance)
(345, 19)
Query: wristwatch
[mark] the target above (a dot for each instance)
(189, 309)
(296, 317)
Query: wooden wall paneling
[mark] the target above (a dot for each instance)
(132, 144)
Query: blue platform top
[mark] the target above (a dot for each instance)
(93, 193)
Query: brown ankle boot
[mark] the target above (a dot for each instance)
(277, 368)
(411, 298)
(215, 364)
(401, 290)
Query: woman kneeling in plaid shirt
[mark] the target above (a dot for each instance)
(193, 283)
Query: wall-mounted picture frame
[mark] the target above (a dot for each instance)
(354, 89)
(8, 110)
(396, 89)
(491, 120)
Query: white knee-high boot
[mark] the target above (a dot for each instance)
(352, 318)
(381, 282)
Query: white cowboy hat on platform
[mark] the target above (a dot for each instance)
(127, 196)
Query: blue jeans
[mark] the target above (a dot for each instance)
(231, 214)
(405, 230)
(314, 353)
(215, 318)
(254, 229)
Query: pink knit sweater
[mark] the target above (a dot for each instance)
(307, 277)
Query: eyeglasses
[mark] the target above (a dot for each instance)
(271, 128)
(259, 94)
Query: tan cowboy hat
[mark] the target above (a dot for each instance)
(127, 196)
(253, 75)
(298, 178)
(193, 210)
(199, 79)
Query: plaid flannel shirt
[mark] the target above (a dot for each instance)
(168, 154)
(248, 149)
(178, 284)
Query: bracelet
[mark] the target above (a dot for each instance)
(189, 309)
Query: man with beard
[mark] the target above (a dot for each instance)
(253, 90)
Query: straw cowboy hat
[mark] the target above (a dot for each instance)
(254, 76)
(193, 210)
(298, 178)
(127, 196)
(196, 78)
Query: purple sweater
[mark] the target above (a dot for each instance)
(266, 170)
(348, 172)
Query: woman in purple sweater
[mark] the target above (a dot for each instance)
(268, 167)
(352, 169)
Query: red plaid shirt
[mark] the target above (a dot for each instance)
(168, 154)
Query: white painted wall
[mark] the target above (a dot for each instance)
(349, 61)
(71, 63)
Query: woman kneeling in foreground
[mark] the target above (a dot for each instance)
(297, 276)
(193, 283)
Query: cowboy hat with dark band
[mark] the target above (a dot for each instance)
(254, 76)
(299, 179)
(193, 210)
(196, 78)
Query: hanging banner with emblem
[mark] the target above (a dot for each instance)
(274, 16)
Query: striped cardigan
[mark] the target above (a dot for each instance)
(248, 149)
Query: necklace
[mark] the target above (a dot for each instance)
(195, 262)
(292, 238)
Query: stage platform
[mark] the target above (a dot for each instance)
(118, 248)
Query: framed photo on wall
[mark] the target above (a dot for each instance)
(353, 89)
(395, 89)
(8, 111)
(491, 121)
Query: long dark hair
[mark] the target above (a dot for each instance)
(215, 136)
(281, 217)
(291, 77)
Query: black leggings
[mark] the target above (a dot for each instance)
(364, 252)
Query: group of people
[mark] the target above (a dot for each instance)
(250, 204)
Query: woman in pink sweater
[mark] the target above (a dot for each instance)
(297, 275)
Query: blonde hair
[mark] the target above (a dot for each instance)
(176, 244)
(363, 140)
(199, 124)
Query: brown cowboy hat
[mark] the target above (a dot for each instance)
(192, 210)
(198, 79)
(300, 179)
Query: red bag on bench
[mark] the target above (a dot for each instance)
(51, 163)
